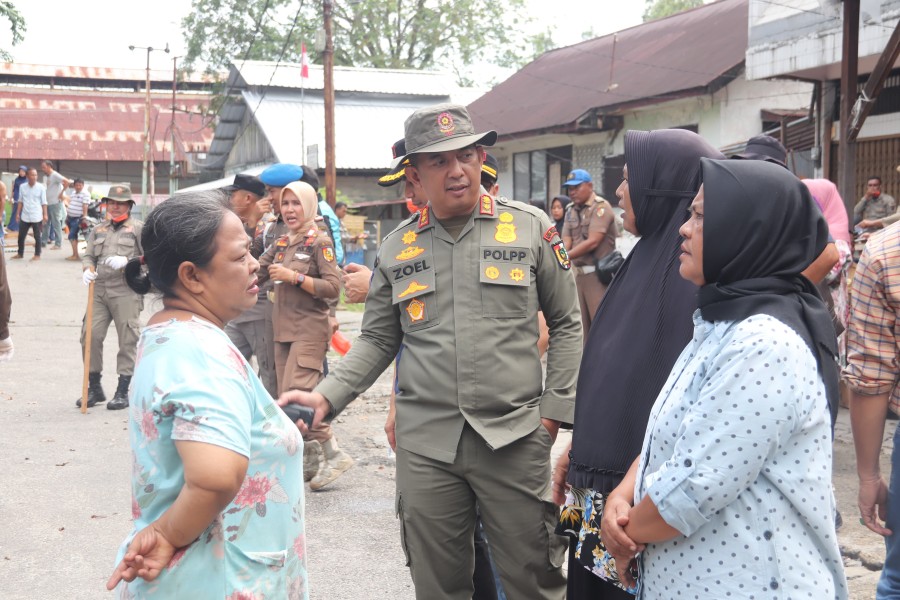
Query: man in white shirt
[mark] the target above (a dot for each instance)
(78, 201)
(55, 184)
(32, 213)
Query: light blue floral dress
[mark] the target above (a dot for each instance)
(191, 384)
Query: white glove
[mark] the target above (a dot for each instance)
(116, 262)
(6, 349)
(87, 276)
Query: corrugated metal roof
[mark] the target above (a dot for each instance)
(95, 125)
(364, 130)
(346, 79)
(101, 73)
(655, 61)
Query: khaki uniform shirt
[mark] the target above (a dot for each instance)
(461, 317)
(595, 215)
(875, 208)
(105, 241)
(298, 315)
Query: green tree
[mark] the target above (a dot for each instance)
(408, 34)
(16, 25)
(657, 9)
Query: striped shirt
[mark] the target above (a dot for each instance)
(77, 201)
(873, 333)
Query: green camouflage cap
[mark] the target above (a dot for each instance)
(440, 128)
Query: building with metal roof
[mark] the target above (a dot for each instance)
(90, 122)
(570, 107)
(275, 116)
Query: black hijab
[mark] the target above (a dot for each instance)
(564, 201)
(761, 229)
(644, 321)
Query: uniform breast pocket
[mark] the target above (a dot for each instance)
(300, 262)
(99, 243)
(417, 298)
(505, 285)
(504, 301)
(126, 246)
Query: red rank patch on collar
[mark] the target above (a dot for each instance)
(551, 233)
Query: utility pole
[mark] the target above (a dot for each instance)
(145, 172)
(849, 83)
(173, 179)
(328, 63)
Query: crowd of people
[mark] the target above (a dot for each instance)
(699, 374)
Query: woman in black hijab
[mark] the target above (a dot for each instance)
(558, 207)
(640, 328)
(733, 481)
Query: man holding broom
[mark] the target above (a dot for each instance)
(109, 246)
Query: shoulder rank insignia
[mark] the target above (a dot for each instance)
(551, 233)
(410, 252)
(492, 272)
(517, 274)
(506, 231)
(328, 253)
(600, 211)
(414, 286)
(562, 257)
(424, 218)
(416, 310)
(487, 205)
(409, 237)
(282, 242)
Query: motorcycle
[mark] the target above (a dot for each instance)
(92, 217)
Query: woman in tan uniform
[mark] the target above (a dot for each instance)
(302, 264)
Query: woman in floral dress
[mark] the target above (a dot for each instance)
(217, 493)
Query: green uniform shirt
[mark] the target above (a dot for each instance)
(461, 318)
(105, 241)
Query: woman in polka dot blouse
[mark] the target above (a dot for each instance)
(731, 495)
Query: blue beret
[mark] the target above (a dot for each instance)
(281, 174)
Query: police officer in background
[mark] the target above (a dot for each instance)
(457, 287)
(109, 246)
(589, 234)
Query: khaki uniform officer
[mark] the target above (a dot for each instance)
(456, 292)
(589, 233)
(109, 246)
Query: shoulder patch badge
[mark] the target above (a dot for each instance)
(328, 253)
(409, 237)
(410, 252)
(279, 257)
(562, 257)
(282, 242)
(551, 233)
(416, 310)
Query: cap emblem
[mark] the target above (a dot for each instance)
(446, 124)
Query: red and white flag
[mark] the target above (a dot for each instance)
(304, 62)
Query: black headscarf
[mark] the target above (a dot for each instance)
(564, 201)
(761, 229)
(644, 321)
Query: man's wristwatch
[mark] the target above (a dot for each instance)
(299, 278)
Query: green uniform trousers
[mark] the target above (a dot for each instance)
(436, 506)
(125, 312)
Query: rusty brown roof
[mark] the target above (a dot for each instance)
(94, 125)
(685, 54)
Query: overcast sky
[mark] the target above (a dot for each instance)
(97, 33)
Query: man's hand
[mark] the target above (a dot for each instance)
(148, 554)
(869, 223)
(558, 477)
(872, 500)
(87, 276)
(390, 426)
(116, 262)
(6, 350)
(356, 280)
(334, 324)
(551, 426)
(314, 400)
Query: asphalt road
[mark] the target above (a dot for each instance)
(65, 500)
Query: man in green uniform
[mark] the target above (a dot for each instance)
(455, 292)
(109, 246)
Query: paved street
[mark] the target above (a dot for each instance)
(65, 503)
